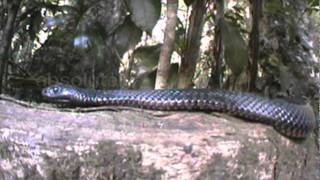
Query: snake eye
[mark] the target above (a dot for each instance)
(55, 90)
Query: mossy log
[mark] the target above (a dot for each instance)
(50, 143)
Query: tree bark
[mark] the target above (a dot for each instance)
(168, 45)
(217, 52)
(6, 36)
(256, 9)
(38, 143)
(191, 53)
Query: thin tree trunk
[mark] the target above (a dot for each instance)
(6, 36)
(216, 72)
(191, 53)
(168, 45)
(256, 9)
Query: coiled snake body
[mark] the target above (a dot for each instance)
(291, 120)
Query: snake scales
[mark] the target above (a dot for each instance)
(291, 120)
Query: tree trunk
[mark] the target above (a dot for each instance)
(217, 52)
(256, 9)
(37, 143)
(6, 35)
(191, 53)
(168, 45)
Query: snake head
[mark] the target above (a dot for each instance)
(59, 93)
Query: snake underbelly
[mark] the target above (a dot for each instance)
(292, 120)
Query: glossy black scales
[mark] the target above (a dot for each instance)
(292, 120)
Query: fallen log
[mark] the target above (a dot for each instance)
(113, 143)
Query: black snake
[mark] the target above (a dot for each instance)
(291, 120)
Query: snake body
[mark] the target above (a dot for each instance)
(291, 120)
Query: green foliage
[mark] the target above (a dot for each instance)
(146, 63)
(35, 22)
(314, 11)
(274, 6)
(145, 13)
(236, 15)
(28, 26)
(180, 41)
(108, 15)
(126, 36)
(147, 60)
(147, 57)
(189, 2)
(288, 54)
(81, 37)
(147, 79)
(314, 3)
(235, 48)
